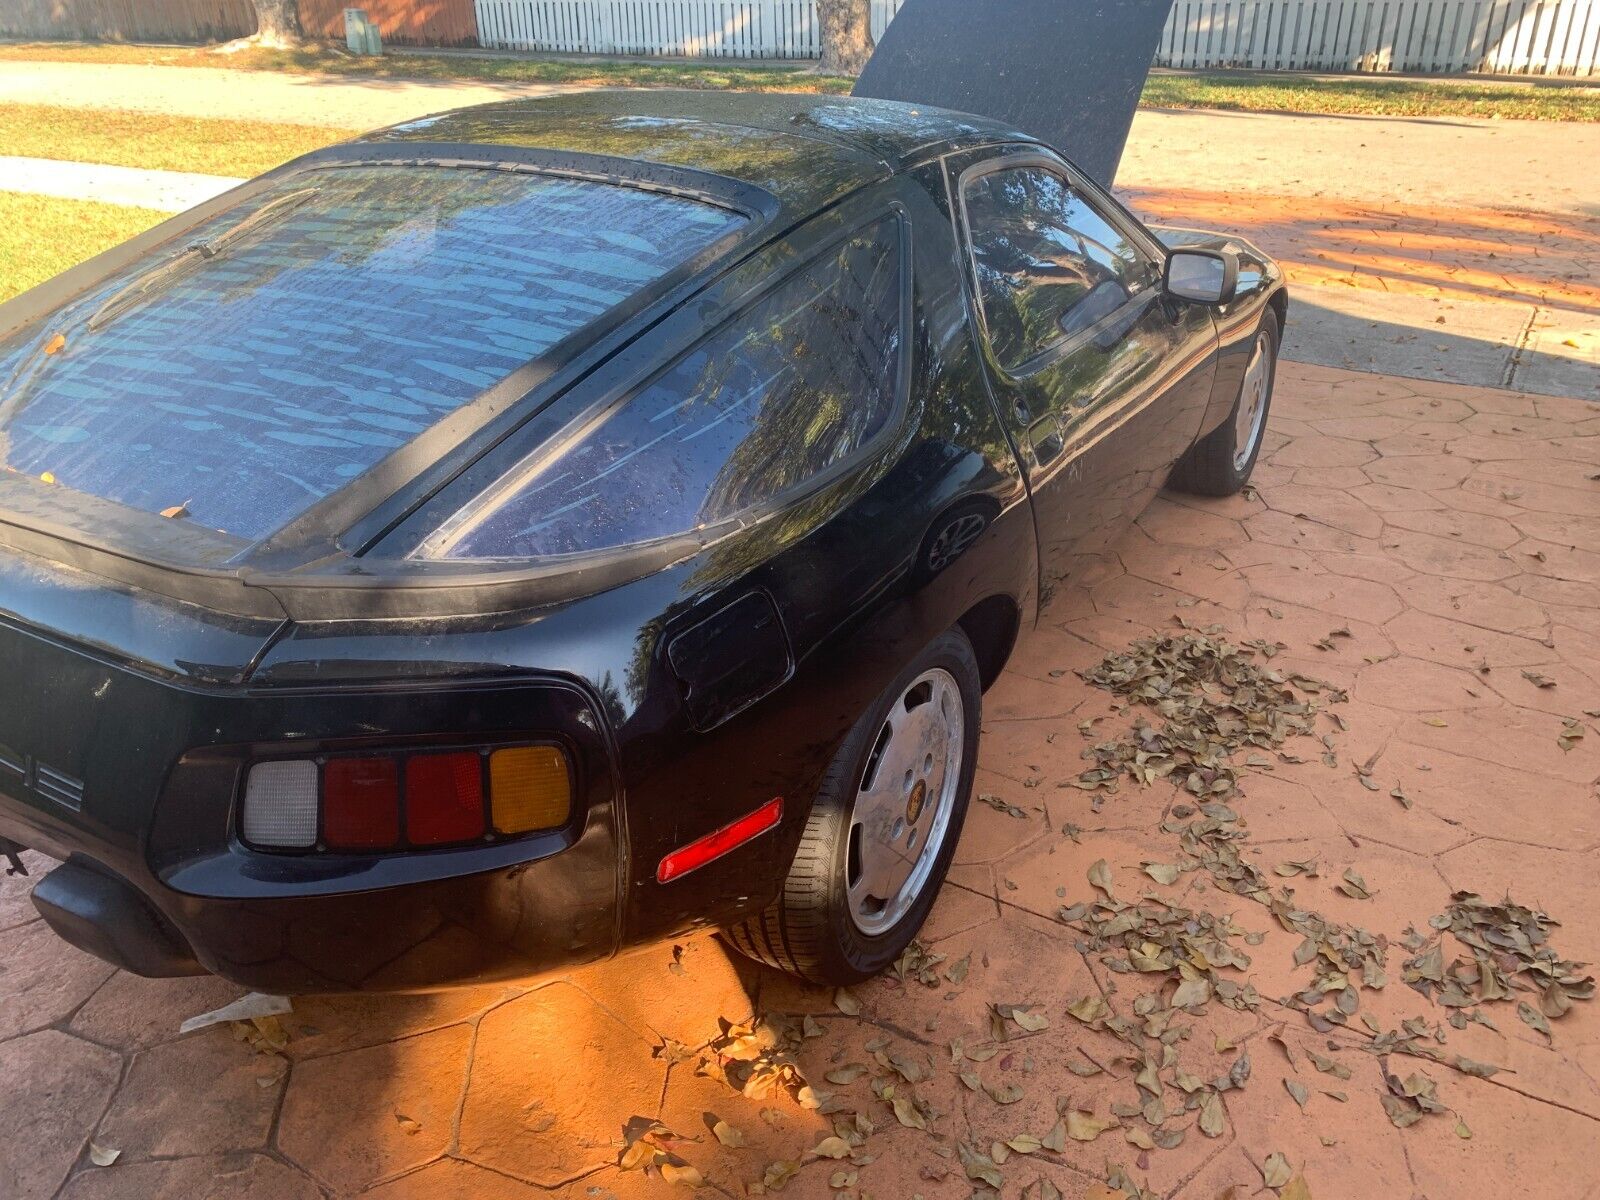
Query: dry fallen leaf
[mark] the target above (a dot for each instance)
(1163, 873)
(1032, 1022)
(831, 1147)
(1089, 1009)
(727, 1134)
(1008, 1093)
(1100, 875)
(103, 1156)
(1085, 1127)
(684, 1175)
(906, 1112)
(1275, 1171)
(407, 1123)
(1354, 886)
(778, 1174)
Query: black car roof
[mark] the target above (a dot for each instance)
(778, 158)
(805, 150)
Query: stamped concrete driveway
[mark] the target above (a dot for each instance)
(1442, 544)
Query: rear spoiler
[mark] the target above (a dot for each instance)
(1068, 72)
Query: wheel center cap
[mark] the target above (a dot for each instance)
(919, 793)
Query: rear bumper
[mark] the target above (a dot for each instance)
(133, 780)
(108, 917)
(508, 924)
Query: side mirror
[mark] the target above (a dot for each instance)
(1204, 276)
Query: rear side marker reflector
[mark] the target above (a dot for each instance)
(714, 845)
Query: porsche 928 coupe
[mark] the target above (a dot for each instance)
(551, 527)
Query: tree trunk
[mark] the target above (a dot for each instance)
(278, 22)
(846, 27)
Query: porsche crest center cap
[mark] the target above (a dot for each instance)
(919, 793)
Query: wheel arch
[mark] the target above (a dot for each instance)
(991, 625)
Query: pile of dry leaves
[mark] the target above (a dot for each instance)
(1206, 713)
(1213, 699)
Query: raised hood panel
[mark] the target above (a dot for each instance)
(1067, 72)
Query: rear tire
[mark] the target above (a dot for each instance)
(827, 925)
(1220, 463)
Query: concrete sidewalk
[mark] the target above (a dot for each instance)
(168, 191)
(283, 97)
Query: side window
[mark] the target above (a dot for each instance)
(1047, 264)
(797, 383)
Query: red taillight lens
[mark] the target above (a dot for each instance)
(444, 798)
(360, 803)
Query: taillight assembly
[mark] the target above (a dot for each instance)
(413, 800)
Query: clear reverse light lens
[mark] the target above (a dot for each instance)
(280, 804)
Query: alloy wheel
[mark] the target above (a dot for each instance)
(1251, 415)
(907, 794)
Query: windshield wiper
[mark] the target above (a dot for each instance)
(191, 255)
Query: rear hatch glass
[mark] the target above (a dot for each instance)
(285, 347)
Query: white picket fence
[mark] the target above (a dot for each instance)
(670, 28)
(1533, 37)
(1436, 37)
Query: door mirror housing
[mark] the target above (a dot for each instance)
(1203, 276)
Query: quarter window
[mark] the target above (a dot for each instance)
(1047, 264)
(797, 384)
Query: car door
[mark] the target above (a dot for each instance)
(1102, 378)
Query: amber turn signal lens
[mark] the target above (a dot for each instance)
(529, 789)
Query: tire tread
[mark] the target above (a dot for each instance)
(792, 933)
(1207, 469)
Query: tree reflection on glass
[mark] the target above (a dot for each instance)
(798, 383)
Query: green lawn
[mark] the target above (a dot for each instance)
(1232, 90)
(665, 73)
(41, 236)
(133, 139)
(1369, 96)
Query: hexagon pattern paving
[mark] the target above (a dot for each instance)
(1453, 533)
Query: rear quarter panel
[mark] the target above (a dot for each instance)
(846, 572)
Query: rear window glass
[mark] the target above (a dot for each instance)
(298, 341)
(793, 387)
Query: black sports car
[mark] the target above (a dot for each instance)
(554, 526)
